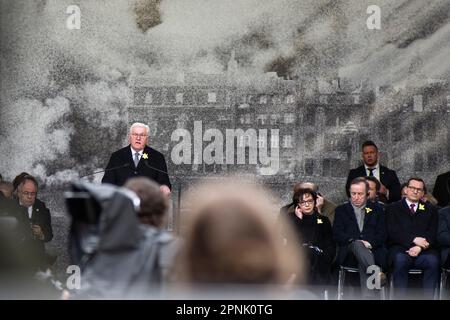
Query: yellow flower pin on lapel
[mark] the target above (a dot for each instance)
(319, 221)
(421, 207)
(144, 156)
(368, 210)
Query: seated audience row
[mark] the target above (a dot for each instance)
(403, 235)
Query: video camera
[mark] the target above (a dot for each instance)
(82, 207)
(87, 204)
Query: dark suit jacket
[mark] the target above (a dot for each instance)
(41, 216)
(123, 157)
(34, 248)
(388, 178)
(346, 230)
(311, 230)
(403, 226)
(443, 233)
(321, 234)
(440, 191)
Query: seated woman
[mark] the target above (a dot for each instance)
(313, 234)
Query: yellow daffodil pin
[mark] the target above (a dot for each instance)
(368, 210)
(421, 207)
(144, 156)
(319, 221)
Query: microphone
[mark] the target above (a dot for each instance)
(106, 170)
(149, 166)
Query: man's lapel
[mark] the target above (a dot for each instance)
(351, 212)
(362, 171)
(128, 155)
(34, 212)
(382, 175)
(141, 161)
(369, 210)
(22, 209)
(421, 208)
(405, 208)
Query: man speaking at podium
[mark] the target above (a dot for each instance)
(137, 159)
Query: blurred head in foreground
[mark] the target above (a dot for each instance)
(230, 238)
(153, 206)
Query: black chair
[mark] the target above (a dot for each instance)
(341, 282)
(443, 283)
(411, 272)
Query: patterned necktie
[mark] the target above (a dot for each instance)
(361, 219)
(136, 159)
(371, 171)
(411, 208)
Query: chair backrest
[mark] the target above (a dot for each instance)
(415, 271)
(349, 269)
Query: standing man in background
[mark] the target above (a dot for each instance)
(390, 185)
(137, 159)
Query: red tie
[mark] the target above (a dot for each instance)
(411, 208)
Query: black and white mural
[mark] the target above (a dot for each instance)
(280, 91)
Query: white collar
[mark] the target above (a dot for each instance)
(409, 203)
(374, 167)
(134, 151)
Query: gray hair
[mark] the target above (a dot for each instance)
(139, 124)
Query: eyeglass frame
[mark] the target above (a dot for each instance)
(135, 135)
(414, 189)
(303, 202)
(28, 194)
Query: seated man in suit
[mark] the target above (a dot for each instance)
(137, 159)
(390, 185)
(39, 221)
(359, 230)
(441, 190)
(411, 228)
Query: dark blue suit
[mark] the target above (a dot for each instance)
(402, 227)
(388, 178)
(443, 235)
(346, 230)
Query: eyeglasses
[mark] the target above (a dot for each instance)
(414, 189)
(29, 194)
(135, 135)
(304, 203)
